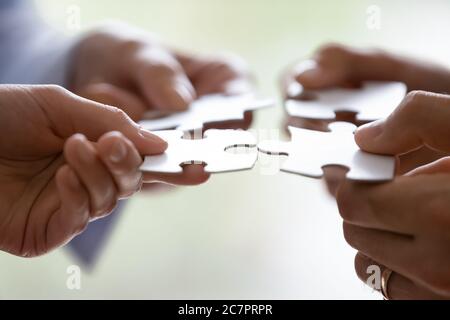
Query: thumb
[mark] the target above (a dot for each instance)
(421, 119)
(70, 114)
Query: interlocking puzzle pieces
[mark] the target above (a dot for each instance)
(309, 151)
(212, 150)
(374, 100)
(208, 109)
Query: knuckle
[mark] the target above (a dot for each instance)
(130, 46)
(360, 266)
(81, 227)
(161, 68)
(414, 98)
(54, 90)
(106, 205)
(332, 51)
(120, 115)
(48, 95)
(83, 222)
(345, 203)
(50, 92)
(104, 209)
(158, 62)
(349, 235)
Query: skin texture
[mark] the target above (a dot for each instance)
(126, 67)
(404, 224)
(62, 167)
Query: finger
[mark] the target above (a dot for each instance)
(404, 205)
(112, 95)
(420, 120)
(393, 250)
(162, 80)
(223, 74)
(192, 175)
(418, 158)
(437, 167)
(334, 176)
(333, 65)
(123, 161)
(73, 215)
(94, 176)
(79, 115)
(398, 286)
(338, 65)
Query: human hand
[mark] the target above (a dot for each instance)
(336, 65)
(404, 225)
(126, 67)
(65, 161)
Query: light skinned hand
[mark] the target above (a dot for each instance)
(404, 224)
(126, 67)
(65, 161)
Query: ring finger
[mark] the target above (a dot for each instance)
(398, 287)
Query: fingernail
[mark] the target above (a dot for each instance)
(118, 151)
(152, 137)
(73, 179)
(370, 131)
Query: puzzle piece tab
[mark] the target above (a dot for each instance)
(212, 150)
(208, 109)
(374, 100)
(309, 151)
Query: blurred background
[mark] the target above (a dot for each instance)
(244, 235)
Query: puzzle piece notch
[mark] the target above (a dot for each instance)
(208, 109)
(310, 151)
(211, 150)
(374, 100)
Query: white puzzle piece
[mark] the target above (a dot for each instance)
(309, 151)
(208, 109)
(212, 150)
(374, 100)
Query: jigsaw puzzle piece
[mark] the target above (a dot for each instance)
(186, 118)
(374, 100)
(309, 151)
(208, 109)
(212, 150)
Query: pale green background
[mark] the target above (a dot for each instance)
(241, 235)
